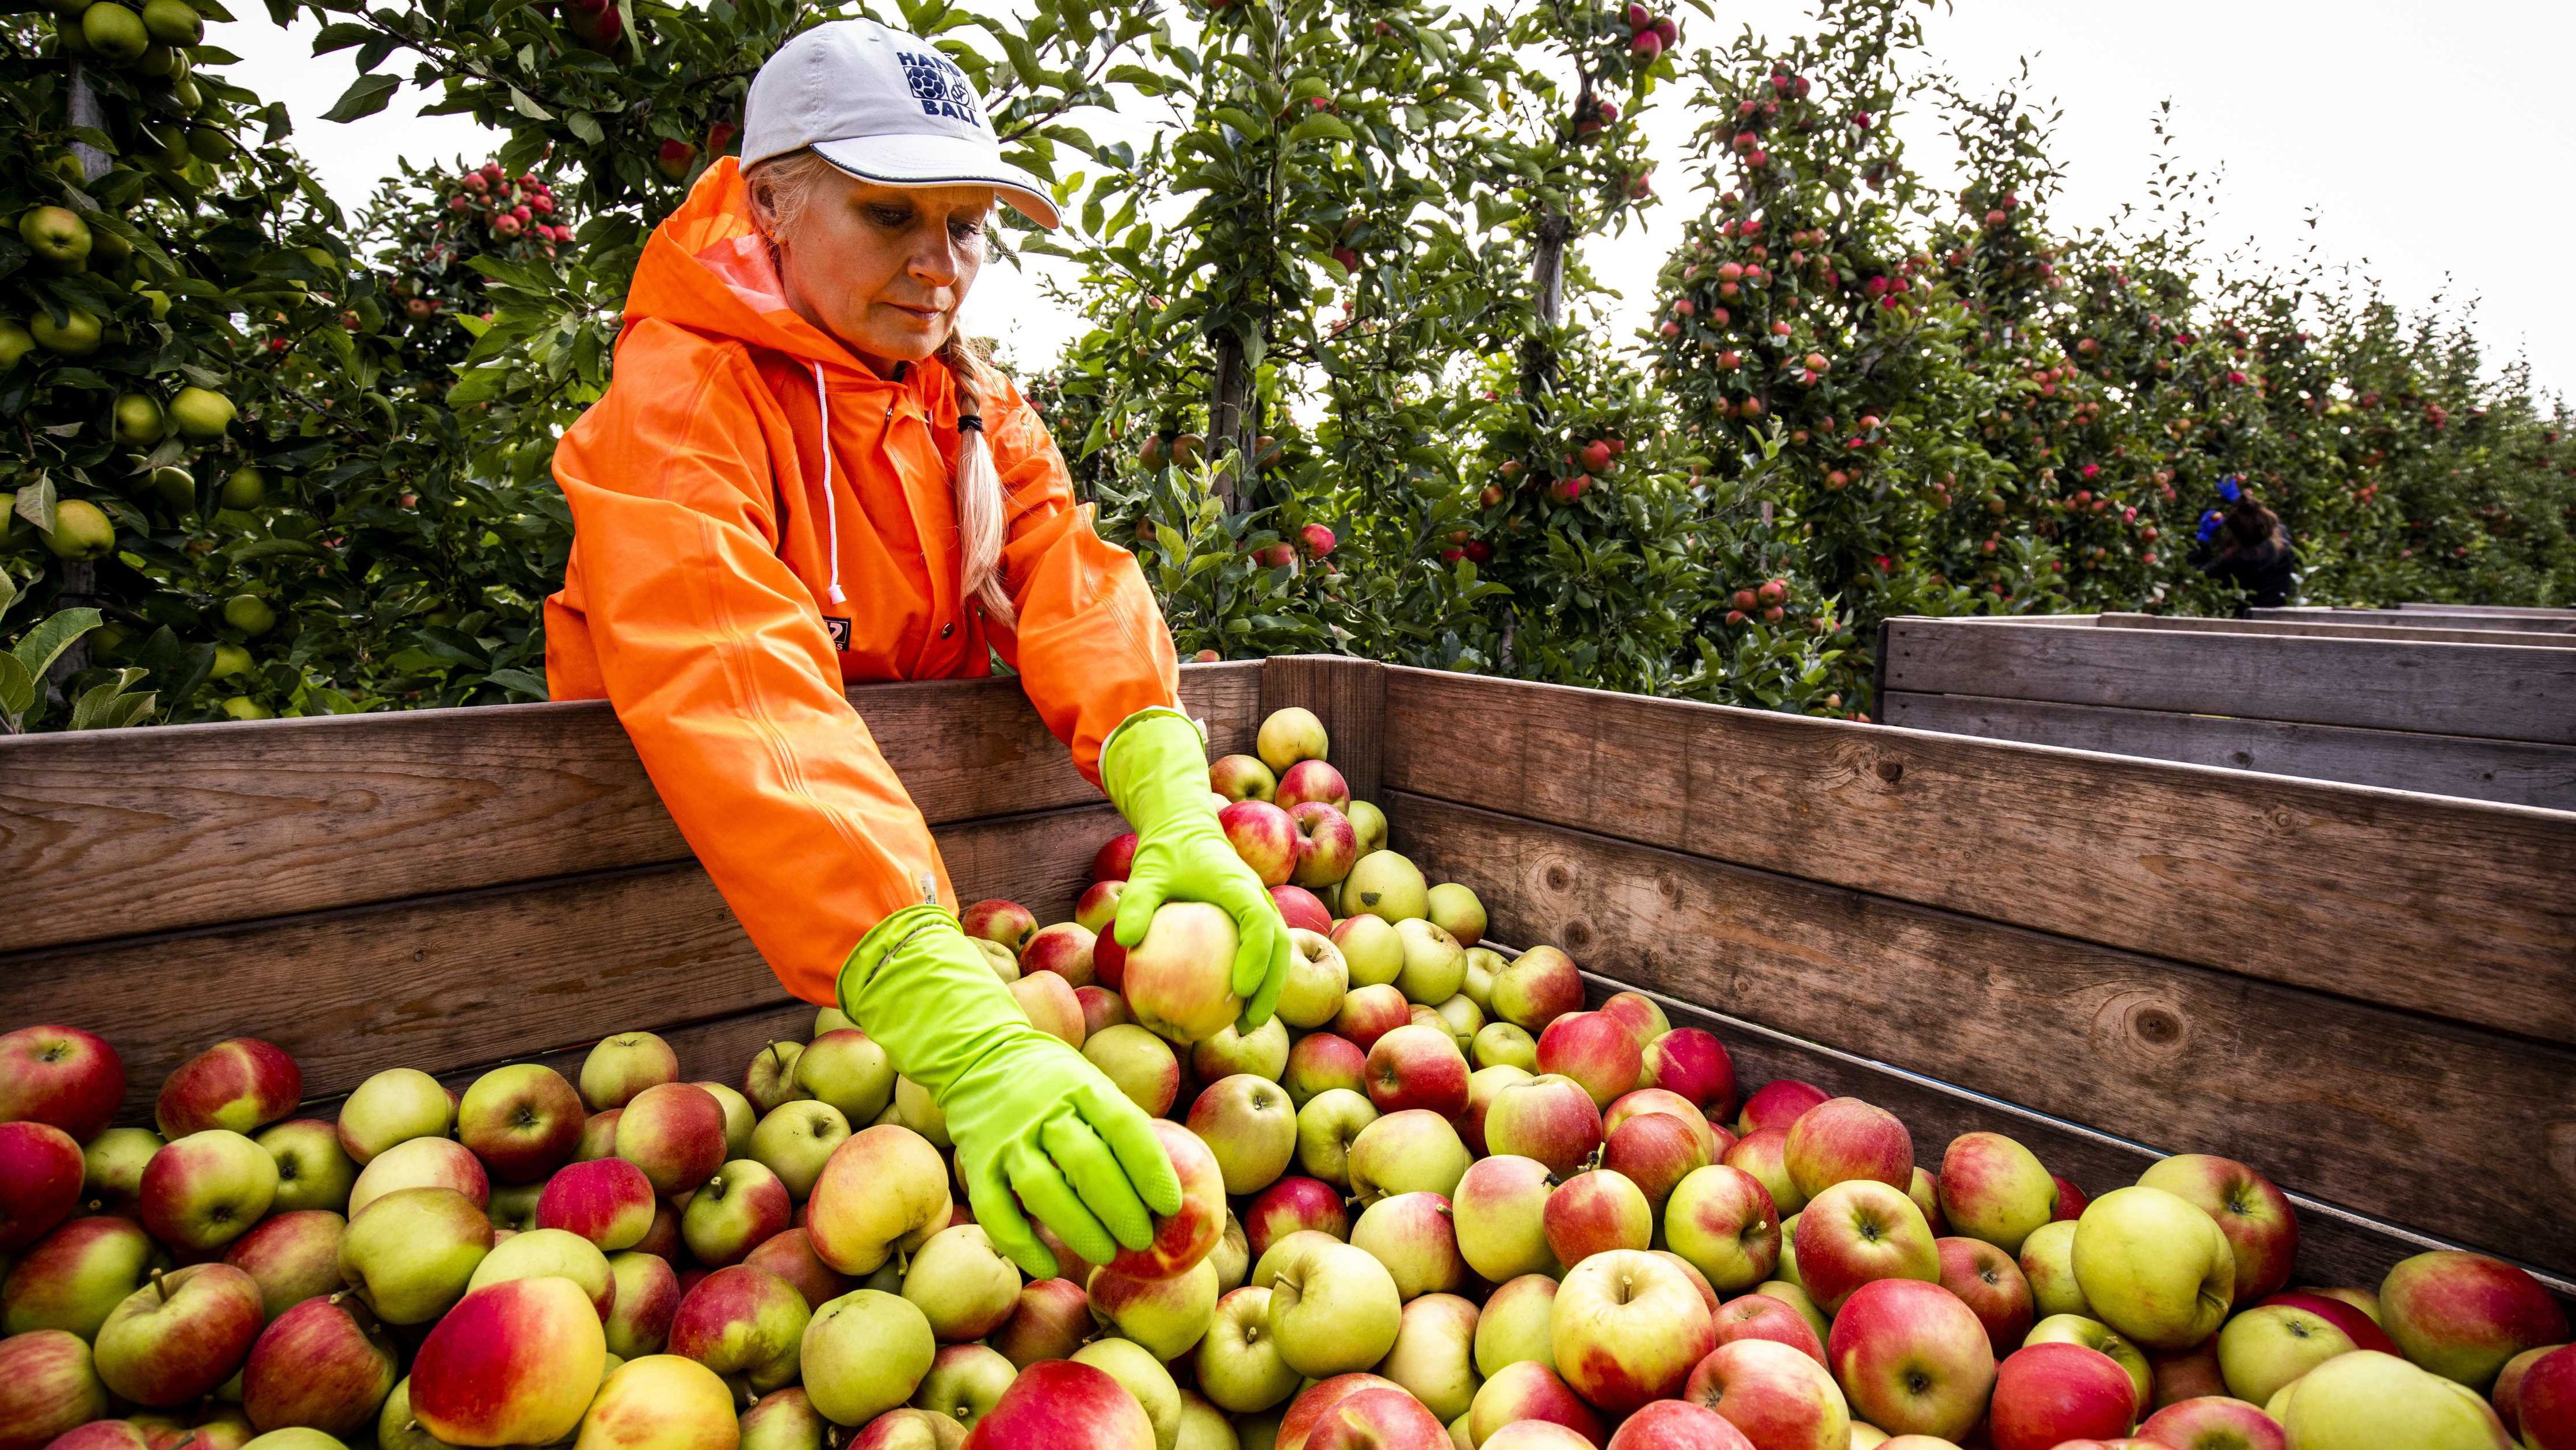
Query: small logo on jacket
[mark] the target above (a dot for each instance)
(940, 86)
(840, 629)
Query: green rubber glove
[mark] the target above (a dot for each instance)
(1154, 766)
(1035, 1124)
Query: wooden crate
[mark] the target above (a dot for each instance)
(2454, 616)
(2370, 996)
(2409, 704)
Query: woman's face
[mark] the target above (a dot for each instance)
(883, 268)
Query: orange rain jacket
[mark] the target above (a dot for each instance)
(715, 509)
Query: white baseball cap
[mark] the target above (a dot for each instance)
(885, 107)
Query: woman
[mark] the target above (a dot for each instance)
(804, 477)
(2252, 548)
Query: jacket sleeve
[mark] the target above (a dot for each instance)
(1091, 646)
(715, 657)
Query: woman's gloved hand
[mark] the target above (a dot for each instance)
(1154, 766)
(1035, 1124)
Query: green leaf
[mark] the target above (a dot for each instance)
(46, 642)
(525, 105)
(585, 126)
(1328, 127)
(363, 99)
(17, 690)
(521, 681)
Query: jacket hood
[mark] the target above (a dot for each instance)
(705, 268)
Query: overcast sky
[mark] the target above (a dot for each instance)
(2431, 143)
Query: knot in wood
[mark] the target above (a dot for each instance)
(1891, 771)
(1557, 878)
(1577, 935)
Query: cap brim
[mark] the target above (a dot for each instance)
(940, 161)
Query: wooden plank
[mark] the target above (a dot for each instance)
(477, 976)
(106, 833)
(2509, 611)
(2434, 629)
(1349, 696)
(2336, 1245)
(2460, 909)
(2453, 1131)
(2510, 771)
(2550, 624)
(2497, 692)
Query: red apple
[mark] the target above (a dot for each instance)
(1655, 1151)
(1292, 1204)
(1184, 1238)
(1993, 1188)
(523, 1121)
(62, 1076)
(1369, 1013)
(1050, 1320)
(1300, 908)
(885, 1188)
(1858, 1231)
(645, 1299)
(1843, 1139)
(240, 1084)
(1057, 1404)
(48, 1387)
(608, 1201)
(179, 1336)
(2070, 1199)
(1776, 1395)
(2049, 1393)
(1179, 979)
(1535, 1435)
(2213, 1423)
(746, 1324)
(1638, 1013)
(1777, 1104)
(1694, 1064)
(1596, 1213)
(1116, 857)
(206, 1190)
(2184, 1375)
(1764, 1154)
(514, 1363)
(790, 1255)
(1539, 986)
(1483, 1086)
(2463, 1315)
(1264, 837)
(742, 1207)
(2545, 1401)
(324, 1364)
(41, 1172)
(2260, 1224)
(1064, 949)
(1528, 1389)
(73, 1277)
(292, 1257)
(1501, 1216)
(1098, 906)
(1004, 923)
(621, 1066)
(1628, 1328)
(1990, 1283)
(1101, 1008)
(1417, 1067)
(675, 1132)
(1595, 1051)
(1678, 1425)
(1320, 1061)
(1312, 780)
(1759, 1316)
(1913, 1359)
(1553, 1119)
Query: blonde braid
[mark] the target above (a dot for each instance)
(983, 515)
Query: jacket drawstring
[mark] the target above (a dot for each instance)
(831, 511)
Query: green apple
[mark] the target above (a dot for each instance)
(1387, 886)
(2154, 1267)
(1333, 1307)
(796, 1140)
(2048, 1263)
(549, 1253)
(394, 1106)
(2367, 1400)
(2268, 1346)
(962, 1284)
(849, 1070)
(2094, 1334)
(313, 1170)
(865, 1353)
(414, 1251)
(1238, 1361)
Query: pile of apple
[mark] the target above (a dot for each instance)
(1432, 1202)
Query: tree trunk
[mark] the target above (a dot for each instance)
(79, 576)
(1229, 419)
